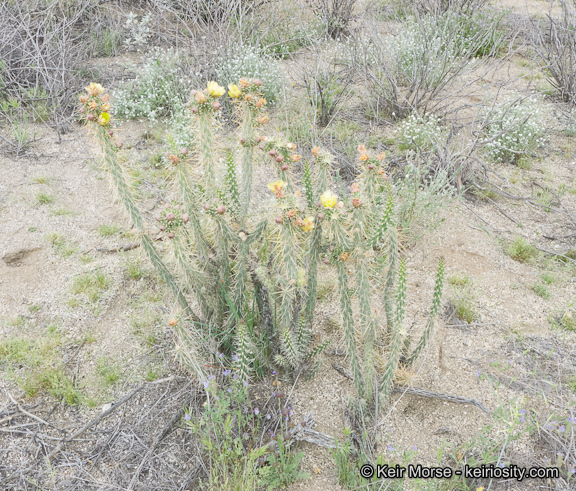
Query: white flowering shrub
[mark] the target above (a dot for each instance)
(420, 133)
(518, 128)
(156, 93)
(251, 62)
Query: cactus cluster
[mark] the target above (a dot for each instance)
(235, 250)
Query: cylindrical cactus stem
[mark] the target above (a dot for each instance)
(348, 325)
(243, 352)
(247, 129)
(206, 146)
(390, 280)
(429, 329)
(312, 275)
(193, 278)
(396, 340)
(367, 322)
(189, 198)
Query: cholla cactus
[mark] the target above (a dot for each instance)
(232, 254)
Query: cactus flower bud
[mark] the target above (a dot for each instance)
(170, 217)
(82, 110)
(331, 248)
(90, 117)
(171, 235)
(371, 166)
(278, 219)
(184, 151)
(194, 110)
(257, 82)
(321, 216)
(284, 166)
(272, 153)
(185, 218)
(206, 206)
(120, 145)
(326, 261)
(172, 322)
(162, 228)
(279, 158)
(221, 210)
(242, 140)
(356, 203)
(216, 105)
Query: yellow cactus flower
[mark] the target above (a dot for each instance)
(215, 90)
(363, 157)
(104, 119)
(234, 91)
(308, 224)
(328, 199)
(94, 89)
(277, 187)
(106, 107)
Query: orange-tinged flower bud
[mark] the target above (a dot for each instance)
(172, 322)
(105, 107)
(295, 157)
(381, 156)
(354, 188)
(363, 157)
(361, 149)
(83, 98)
(244, 83)
(93, 105)
(344, 256)
(200, 97)
(291, 213)
(356, 203)
(316, 151)
(262, 119)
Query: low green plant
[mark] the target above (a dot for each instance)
(230, 437)
(108, 230)
(44, 198)
(91, 285)
(64, 246)
(109, 370)
(520, 249)
(542, 291)
(463, 297)
(282, 467)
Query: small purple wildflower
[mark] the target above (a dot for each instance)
(268, 416)
(206, 384)
(415, 447)
(256, 411)
(229, 390)
(502, 464)
(235, 376)
(571, 419)
(390, 448)
(562, 429)
(187, 417)
(226, 372)
(245, 383)
(235, 358)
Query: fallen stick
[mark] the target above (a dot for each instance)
(127, 247)
(422, 392)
